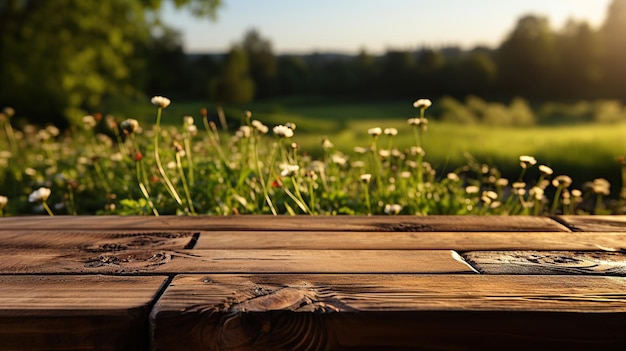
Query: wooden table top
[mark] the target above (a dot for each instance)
(312, 283)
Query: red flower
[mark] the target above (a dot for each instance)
(277, 183)
(138, 156)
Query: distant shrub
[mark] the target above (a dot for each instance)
(521, 113)
(607, 111)
(497, 114)
(451, 110)
(477, 110)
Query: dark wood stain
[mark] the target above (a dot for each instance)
(313, 283)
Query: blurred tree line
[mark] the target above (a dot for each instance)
(535, 61)
(59, 58)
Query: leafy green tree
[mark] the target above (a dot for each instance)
(478, 73)
(579, 70)
(399, 75)
(527, 59)
(614, 43)
(167, 65)
(293, 76)
(263, 64)
(59, 58)
(234, 85)
(367, 70)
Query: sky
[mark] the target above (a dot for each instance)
(347, 26)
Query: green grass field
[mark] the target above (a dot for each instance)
(584, 151)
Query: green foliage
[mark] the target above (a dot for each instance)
(234, 85)
(249, 171)
(476, 110)
(527, 59)
(60, 58)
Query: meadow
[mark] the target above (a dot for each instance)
(274, 161)
(583, 150)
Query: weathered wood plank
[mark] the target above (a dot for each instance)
(400, 312)
(94, 241)
(76, 312)
(460, 241)
(290, 223)
(548, 262)
(595, 223)
(232, 261)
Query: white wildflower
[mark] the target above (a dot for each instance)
(601, 186)
(422, 103)
(562, 180)
(390, 131)
(366, 178)
(453, 177)
(392, 209)
(375, 131)
(545, 170)
(283, 131)
(262, 128)
(89, 122)
(327, 144)
(244, 132)
(192, 130)
(339, 159)
(54, 131)
(117, 157)
(357, 164)
(289, 170)
(40, 194)
(129, 126)
(188, 120)
(472, 189)
(160, 101)
(526, 161)
(416, 150)
(537, 192)
(502, 182)
(414, 121)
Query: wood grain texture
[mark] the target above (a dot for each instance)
(280, 223)
(93, 241)
(548, 262)
(398, 312)
(232, 261)
(595, 223)
(460, 241)
(76, 312)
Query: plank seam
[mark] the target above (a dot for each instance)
(566, 224)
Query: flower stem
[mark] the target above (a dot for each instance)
(157, 157)
(302, 204)
(555, 201)
(142, 187)
(187, 144)
(47, 208)
(263, 182)
(185, 187)
(367, 199)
